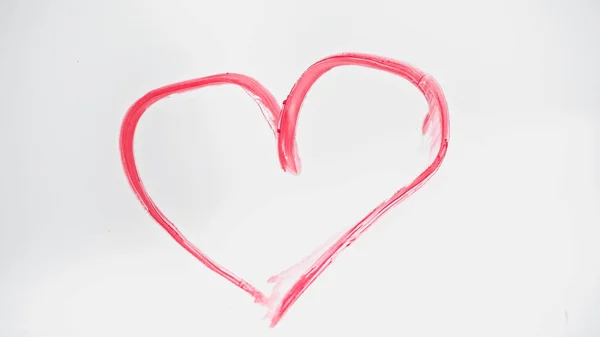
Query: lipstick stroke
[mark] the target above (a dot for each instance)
(290, 284)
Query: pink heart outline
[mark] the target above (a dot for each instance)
(282, 122)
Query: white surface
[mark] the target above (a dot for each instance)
(501, 242)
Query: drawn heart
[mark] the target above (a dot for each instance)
(283, 123)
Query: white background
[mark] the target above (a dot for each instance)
(503, 241)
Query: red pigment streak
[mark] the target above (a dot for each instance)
(282, 122)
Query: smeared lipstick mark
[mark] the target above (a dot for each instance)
(290, 284)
